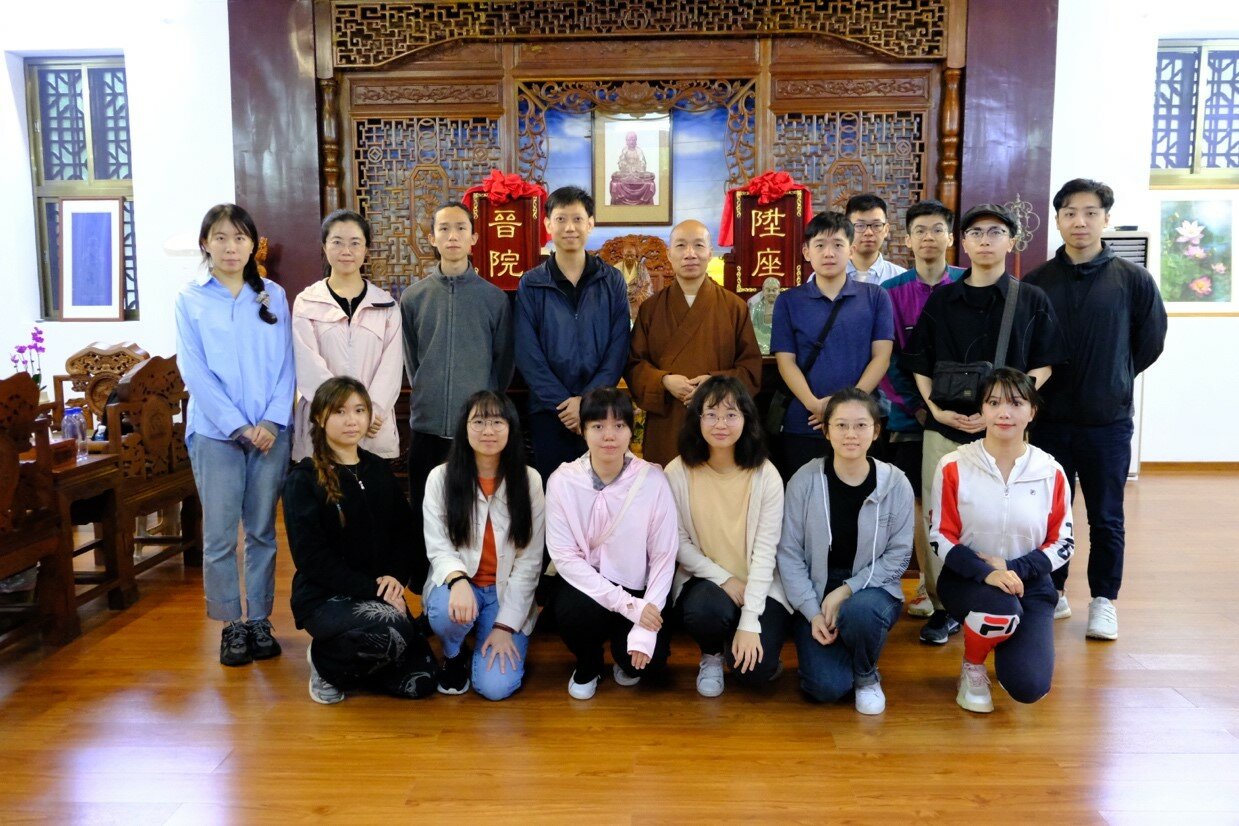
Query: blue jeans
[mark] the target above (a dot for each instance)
(1100, 457)
(491, 683)
(829, 672)
(238, 484)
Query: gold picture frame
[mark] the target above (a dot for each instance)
(632, 169)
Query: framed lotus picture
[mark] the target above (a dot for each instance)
(1197, 256)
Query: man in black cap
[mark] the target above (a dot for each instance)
(961, 323)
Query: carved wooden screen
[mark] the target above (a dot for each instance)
(420, 100)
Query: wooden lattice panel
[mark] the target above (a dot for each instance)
(406, 167)
(365, 33)
(841, 154)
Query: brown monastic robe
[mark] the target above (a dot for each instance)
(714, 336)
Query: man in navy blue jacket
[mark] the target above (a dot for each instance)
(571, 330)
(1114, 322)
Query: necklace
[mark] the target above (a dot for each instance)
(356, 477)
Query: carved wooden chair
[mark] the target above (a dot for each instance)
(93, 371)
(154, 464)
(29, 524)
(652, 251)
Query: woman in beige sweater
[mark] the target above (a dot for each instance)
(729, 499)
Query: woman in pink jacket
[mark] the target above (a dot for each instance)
(346, 326)
(611, 531)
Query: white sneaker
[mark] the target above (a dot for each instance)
(1063, 609)
(974, 692)
(710, 675)
(582, 691)
(870, 699)
(1103, 620)
(921, 605)
(322, 691)
(623, 679)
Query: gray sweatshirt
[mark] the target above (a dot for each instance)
(457, 341)
(883, 538)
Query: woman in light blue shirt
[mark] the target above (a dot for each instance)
(234, 348)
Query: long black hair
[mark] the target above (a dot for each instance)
(330, 397)
(750, 448)
(342, 216)
(461, 483)
(240, 219)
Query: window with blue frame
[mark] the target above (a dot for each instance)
(1196, 115)
(78, 109)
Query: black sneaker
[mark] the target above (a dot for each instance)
(939, 629)
(262, 644)
(454, 676)
(234, 645)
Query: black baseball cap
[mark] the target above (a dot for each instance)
(990, 211)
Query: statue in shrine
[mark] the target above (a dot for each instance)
(632, 184)
(761, 311)
(640, 287)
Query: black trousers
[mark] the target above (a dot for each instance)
(553, 444)
(370, 644)
(711, 619)
(585, 626)
(426, 452)
(792, 451)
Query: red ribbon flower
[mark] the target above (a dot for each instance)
(768, 187)
(501, 188)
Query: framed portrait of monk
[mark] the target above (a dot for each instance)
(632, 169)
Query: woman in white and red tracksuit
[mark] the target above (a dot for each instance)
(1001, 522)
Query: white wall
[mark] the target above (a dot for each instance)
(176, 56)
(1103, 116)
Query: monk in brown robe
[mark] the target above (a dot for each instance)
(685, 333)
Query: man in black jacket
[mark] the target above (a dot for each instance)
(1114, 321)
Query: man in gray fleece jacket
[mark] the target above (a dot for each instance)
(457, 341)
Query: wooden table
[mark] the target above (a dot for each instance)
(97, 475)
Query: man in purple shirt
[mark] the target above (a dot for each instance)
(929, 237)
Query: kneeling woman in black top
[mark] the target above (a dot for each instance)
(347, 523)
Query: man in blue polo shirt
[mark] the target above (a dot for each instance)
(856, 351)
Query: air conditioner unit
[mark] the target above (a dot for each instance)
(1130, 245)
(1134, 247)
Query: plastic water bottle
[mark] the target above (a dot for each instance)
(73, 426)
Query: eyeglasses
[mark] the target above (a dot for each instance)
(496, 424)
(861, 226)
(921, 232)
(994, 233)
(339, 244)
(843, 427)
(730, 419)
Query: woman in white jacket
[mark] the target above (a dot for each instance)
(483, 513)
(345, 326)
(729, 499)
(1001, 522)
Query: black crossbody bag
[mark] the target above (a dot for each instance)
(782, 397)
(957, 384)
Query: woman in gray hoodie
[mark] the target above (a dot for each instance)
(847, 538)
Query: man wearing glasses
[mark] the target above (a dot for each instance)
(867, 215)
(930, 235)
(961, 323)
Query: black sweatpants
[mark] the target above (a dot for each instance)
(585, 625)
(368, 643)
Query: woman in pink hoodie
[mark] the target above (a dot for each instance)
(346, 326)
(612, 534)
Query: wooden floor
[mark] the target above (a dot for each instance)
(136, 722)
